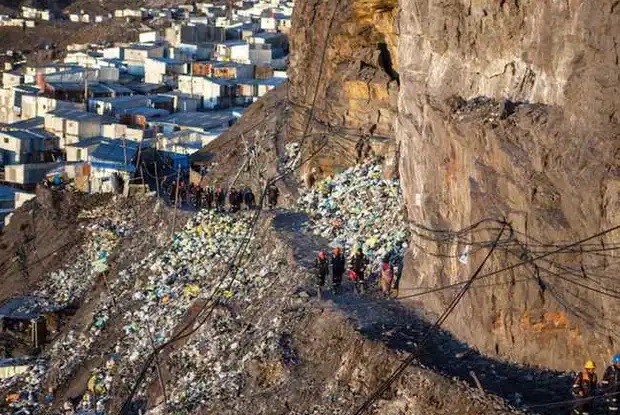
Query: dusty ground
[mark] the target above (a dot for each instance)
(40, 237)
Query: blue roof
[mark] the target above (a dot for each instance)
(29, 123)
(26, 135)
(7, 192)
(114, 151)
(27, 88)
(88, 142)
(161, 98)
(113, 166)
(26, 307)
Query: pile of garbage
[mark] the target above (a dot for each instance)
(149, 299)
(211, 366)
(359, 206)
(69, 284)
(29, 386)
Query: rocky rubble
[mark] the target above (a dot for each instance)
(359, 206)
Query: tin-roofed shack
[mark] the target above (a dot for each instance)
(29, 317)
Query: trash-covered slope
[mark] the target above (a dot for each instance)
(268, 347)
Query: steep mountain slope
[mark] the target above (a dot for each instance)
(540, 148)
(268, 345)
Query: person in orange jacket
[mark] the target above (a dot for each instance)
(584, 387)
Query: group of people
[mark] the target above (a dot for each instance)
(335, 266)
(180, 193)
(586, 387)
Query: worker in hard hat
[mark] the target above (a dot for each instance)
(611, 385)
(338, 265)
(358, 268)
(321, 265)
(584, 389)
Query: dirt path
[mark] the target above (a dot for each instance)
(400, 328)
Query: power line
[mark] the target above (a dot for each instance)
(521, 263)
(572, 401)
(413, 355)
(243, 245)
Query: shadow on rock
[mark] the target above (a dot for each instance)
(401, 328)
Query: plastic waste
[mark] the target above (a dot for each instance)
(358, 205)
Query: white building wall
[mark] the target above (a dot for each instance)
(240, 53)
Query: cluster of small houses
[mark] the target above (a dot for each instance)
(29, 16)
(90, 116)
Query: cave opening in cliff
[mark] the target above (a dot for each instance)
(385, 60)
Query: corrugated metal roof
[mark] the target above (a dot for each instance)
(27, 307)
(115, 151)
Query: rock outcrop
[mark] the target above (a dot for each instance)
(509, 110)
(356, 74)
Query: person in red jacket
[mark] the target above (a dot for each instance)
(387, 277)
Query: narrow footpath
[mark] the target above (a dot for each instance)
(400, 328)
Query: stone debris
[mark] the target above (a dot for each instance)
(359, 206)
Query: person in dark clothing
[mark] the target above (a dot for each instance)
(208, 197)
(584, 387)
(182, 193)
(337, 269)
(238, 200)
(173, 193)
(610, 385)
(232, 199)
(220, 199)
(249, 199)
(358, 266)
(198, 197)
(321, 265)
(272, 195)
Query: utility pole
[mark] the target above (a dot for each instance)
(229, 10)
(191, 79)
(176, 199)
(156, 180)
(124, 149)
(86, 89)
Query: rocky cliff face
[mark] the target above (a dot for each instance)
(509, 110)
(358, 83)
